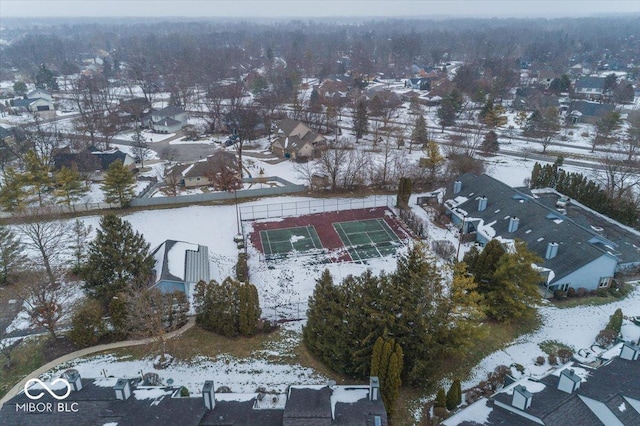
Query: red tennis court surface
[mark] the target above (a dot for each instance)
(323, 224)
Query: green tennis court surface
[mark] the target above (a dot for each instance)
(366, 239)
(279, 242)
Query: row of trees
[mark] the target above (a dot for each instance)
(616, 194)
(413, 306)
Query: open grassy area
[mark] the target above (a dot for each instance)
(25, 358)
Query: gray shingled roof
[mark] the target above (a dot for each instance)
(196, 263)
(591, 109)
(539, 224)
(590, 83)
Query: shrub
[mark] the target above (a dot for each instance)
(553, 360)
(540, 360)
(441, 399)
(86, 325)
(581, 292)
(602, 292)
(564, 355)
(593, 293)
(184, 392)
(151, 379)
(242, 270)
(440, 412)
(559, 294)
(615, 321)
(472, 395)
(606, 338)
(571, 292)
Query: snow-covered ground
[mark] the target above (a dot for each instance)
(241, 375)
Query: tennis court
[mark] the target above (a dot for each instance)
(279, 242)
(366, 239)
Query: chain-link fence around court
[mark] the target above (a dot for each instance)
(318, 205)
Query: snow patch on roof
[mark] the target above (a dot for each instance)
(239, 397)
(151, 393)
(478, 412)
(176, 258)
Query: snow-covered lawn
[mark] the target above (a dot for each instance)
(241, 375)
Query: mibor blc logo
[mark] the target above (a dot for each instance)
(28, 391)
(47, 407)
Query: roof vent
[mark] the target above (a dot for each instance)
(514, 221)
(552, 250)
(73, 377)
(122, 389)
(482, 203)
(569, 381)
(374, 388)
(209, 395)
(521, 398)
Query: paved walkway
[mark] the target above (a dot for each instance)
(88, 351)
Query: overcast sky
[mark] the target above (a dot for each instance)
(315, 8)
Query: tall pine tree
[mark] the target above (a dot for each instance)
(118, 184)
(118, 258)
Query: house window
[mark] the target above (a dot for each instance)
(563, 287)
(604, 282)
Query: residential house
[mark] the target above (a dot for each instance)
(92, 162)
(587, 111)
(219, 170)
(132, 401)
(418, 83)
(590, 87)
(134, 108)
(167, 120)
(578, 248)
(574, 394)
(34, 101)
(179, 266)
(293, 139)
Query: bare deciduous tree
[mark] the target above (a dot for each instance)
(44, 300)
(50, 239)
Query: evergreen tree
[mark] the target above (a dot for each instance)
(441, 399)
(69, 185)
(458, 386)
(12, 191)
(12, 257)
(86, 324)
(44, 79)
(360, 119)
(451, 400)
(118, 184)
(249, 309)
(420, 135)
(404, 192)
(490, 143)
(36, 175)
(323, 334)
(485, 265)
(514, 291)
(118, 258)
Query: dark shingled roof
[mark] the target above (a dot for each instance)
(591, 109)
(539, 224)
(590, 83)
(602, 398)
(241, 413)
(309, 407)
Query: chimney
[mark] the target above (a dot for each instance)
(552, 250)
(514, 221)
(209, 395)
(521, 398)
(73, 377)
(123, 389)
(569, 381)
(374, 388)
(629, 351)
(482, 203)
(457, 186)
